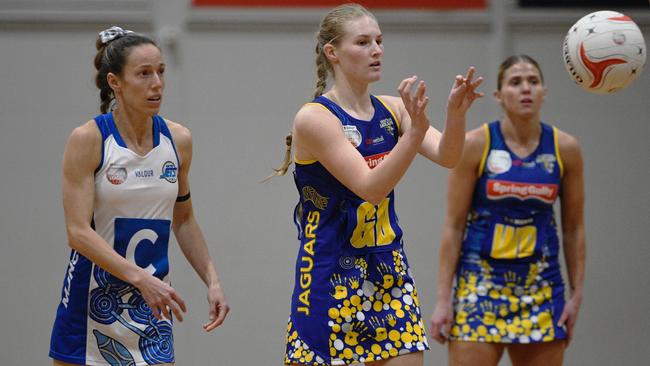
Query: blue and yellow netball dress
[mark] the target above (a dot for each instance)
(509, 287)
(102, 320)
(354, 299)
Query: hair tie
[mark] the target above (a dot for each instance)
(112, 33)
(332, 40)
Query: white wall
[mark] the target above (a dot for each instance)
(236, 79)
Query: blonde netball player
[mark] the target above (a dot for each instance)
(354, 299)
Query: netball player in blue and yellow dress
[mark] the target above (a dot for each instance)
(354, 299)
(125, 187)
(500, 236)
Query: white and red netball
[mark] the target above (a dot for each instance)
(604, 51)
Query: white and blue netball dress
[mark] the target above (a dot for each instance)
(509, 288)
(354, 298)
(102, 320)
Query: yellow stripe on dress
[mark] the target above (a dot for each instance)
(399, 128)
(481, 166)
(318, 104)
(304, 162)
(557, 151)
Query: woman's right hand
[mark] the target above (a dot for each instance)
(463, 93)
(161, 297)
(441, 321)
(415, 104)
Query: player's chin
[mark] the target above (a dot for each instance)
(374, 76)
(527, 114)
(151, 110)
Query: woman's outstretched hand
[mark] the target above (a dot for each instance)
(463, 93)
(415, 104)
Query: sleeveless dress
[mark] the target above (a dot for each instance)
(102, 320)
(354, 298)
(509, 288)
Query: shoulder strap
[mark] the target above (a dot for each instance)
(486, 150)
(102, 124)
(160, 128)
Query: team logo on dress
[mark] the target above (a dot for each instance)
(169, 172)
(499, 161)
(548, 160)
(387, 124)
(309, 193)
(116, 174)
(374, 160)
(353, 135)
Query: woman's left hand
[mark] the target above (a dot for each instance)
(463, 93)
(569, 316)
(219, 307)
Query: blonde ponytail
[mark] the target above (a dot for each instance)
(286, 163)
(322, 67)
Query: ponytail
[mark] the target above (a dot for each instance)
(322, 67)
(286, 163)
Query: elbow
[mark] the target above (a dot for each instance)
(180, 221)
(375, 201)
(372, 191)
(75, 237)
(374, 198)
(449, 162)
(449, 155)
(176, 224)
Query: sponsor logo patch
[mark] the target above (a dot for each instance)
(523, 164)
(116, 174)
(353, 135)
(374, 160)
(375, 141)
(499, 189)
(499, 162)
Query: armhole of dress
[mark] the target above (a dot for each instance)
(311, 161)
(303, 162)
(320, 105)
(162, 127)
(399, 125)
(481, 166)
(556, 142)
(104, 130)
